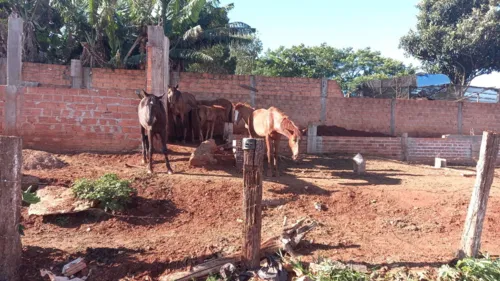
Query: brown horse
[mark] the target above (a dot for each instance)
(183, 105)
(228, 107)
(209, 115)
(226, 104)
(270, 124)
(153, 119)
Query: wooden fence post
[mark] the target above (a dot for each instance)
(10, 211)
(471, 237)
(253, 159)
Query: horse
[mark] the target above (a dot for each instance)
(243, 111)
(228, 107)
(209, 115)
(182, 105)
(270, 124)
(153, 120)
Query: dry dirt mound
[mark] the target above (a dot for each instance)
(40, 160)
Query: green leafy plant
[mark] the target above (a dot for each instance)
(109, 191)
(471, 269)
(30, 198)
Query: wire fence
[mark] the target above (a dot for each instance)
(441, 92)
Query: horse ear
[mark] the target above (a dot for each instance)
(176, 86)
(145, 93)
(160, 97)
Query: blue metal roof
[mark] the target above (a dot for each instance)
(432, 80)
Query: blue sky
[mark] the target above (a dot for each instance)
(378, 24)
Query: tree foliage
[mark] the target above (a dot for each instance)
(459, 38)
(113, 33)
(348, 66)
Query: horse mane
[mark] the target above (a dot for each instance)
(242, 104)
(288, 124)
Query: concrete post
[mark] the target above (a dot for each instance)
(459, 118)
(15, 50)
(393, 117)
(404, 147)
(157, 68)
(253, 84)
(76, 74)
(155, 60)
(324, 96)
(3, 71)
(312, 132)
(166, 65)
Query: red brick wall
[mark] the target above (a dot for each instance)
(297, 97)
(453, 150)
(370, 115)
(480, 117)
(72, 120)
(123, 79)
(47, 74)
(384, 147)
(423, 118)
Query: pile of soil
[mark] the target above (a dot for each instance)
(40, 160)
(330, 131)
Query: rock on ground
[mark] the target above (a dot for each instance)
(57, 200)
(204, 154)
(39, 160)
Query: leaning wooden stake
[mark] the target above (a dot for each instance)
(252, 201)
(471, 237)
(10, 207)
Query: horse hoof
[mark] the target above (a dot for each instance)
(143, 162)
(150, 172)
(170, 172)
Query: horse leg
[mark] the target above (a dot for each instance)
(212, 133)
(201, 131)
(163, 137)
(183, 122)
(191, 122)
(208, 130)
(269, 160)
(144, 145)
(276, 158)
(150, 152)
(176, 127)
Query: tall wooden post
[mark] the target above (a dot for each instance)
(471, 238)
(158, 67)
(253, 160)
(10, 210)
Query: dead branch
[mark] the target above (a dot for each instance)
(287, 241)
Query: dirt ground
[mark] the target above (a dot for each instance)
(396, 214)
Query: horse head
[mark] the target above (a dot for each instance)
(241, 111)
(294, 138)
(153, 105)
(173, 94)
